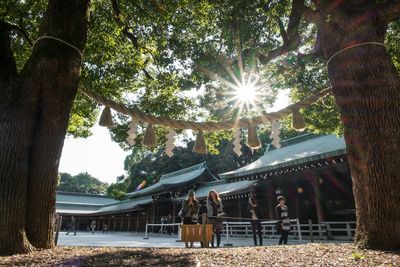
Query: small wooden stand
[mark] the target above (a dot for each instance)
(197, 232)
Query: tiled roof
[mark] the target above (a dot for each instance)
(311, 149)
(173, 180)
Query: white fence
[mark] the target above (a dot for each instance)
(268, 229)
(322, 231)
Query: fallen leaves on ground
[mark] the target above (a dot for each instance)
(312, 254)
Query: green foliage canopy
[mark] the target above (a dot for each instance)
(81, 183)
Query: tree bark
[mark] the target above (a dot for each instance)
(67, 20)
(16, 109)
(34, 113)
(366, 86)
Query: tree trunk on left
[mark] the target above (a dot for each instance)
(34, 111)
(15, 132)
(66, 20)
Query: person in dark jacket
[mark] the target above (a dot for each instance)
(255, 219)
(214, 210)
(169, 220)
(283, 217)
(72, 226)
(190, 210)
(93, 226)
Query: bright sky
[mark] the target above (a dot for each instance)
(104, 159)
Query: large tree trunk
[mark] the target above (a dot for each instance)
(366, 86)
(15, 132)
(66, 20)
(33, 119)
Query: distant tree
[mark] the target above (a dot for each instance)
(81, 183)
(117, 190)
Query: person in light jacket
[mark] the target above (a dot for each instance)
(283, 217)
(255, 218)
(214, 210)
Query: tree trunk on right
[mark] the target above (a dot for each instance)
(366, 86)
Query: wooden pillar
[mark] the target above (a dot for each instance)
(153, 212)
(129, 222)
(173, 211)
(240, 213)
(270, 201)
(115, 223)
(137, 222)
(122, 223)
(293, 190)
(109, 221)
(317, 195)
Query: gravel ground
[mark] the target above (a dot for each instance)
(293, 255)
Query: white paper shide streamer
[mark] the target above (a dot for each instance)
(276, 140)
(132, 132)
(236, 142)
(170, 143)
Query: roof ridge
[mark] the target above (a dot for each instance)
(295, 140)
(82, 194)
(182, 171)
(126, 201)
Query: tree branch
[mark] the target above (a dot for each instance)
(389, 11)
(312, 16)
(8, 67)
(127, 32)
(282, 31)
(20, 30)
(293, 36)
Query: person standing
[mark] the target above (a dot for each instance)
(105, 228)
(169, 221)
(283, 217)
(93, 226)
(162, 220)
(255, 219)
(214, 210)
(190, 208)
(72, 225)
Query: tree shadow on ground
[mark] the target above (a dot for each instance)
(125, 257)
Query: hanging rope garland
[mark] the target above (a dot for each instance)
(251, 124)
(206, 126)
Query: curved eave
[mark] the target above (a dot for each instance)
(284, 165)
